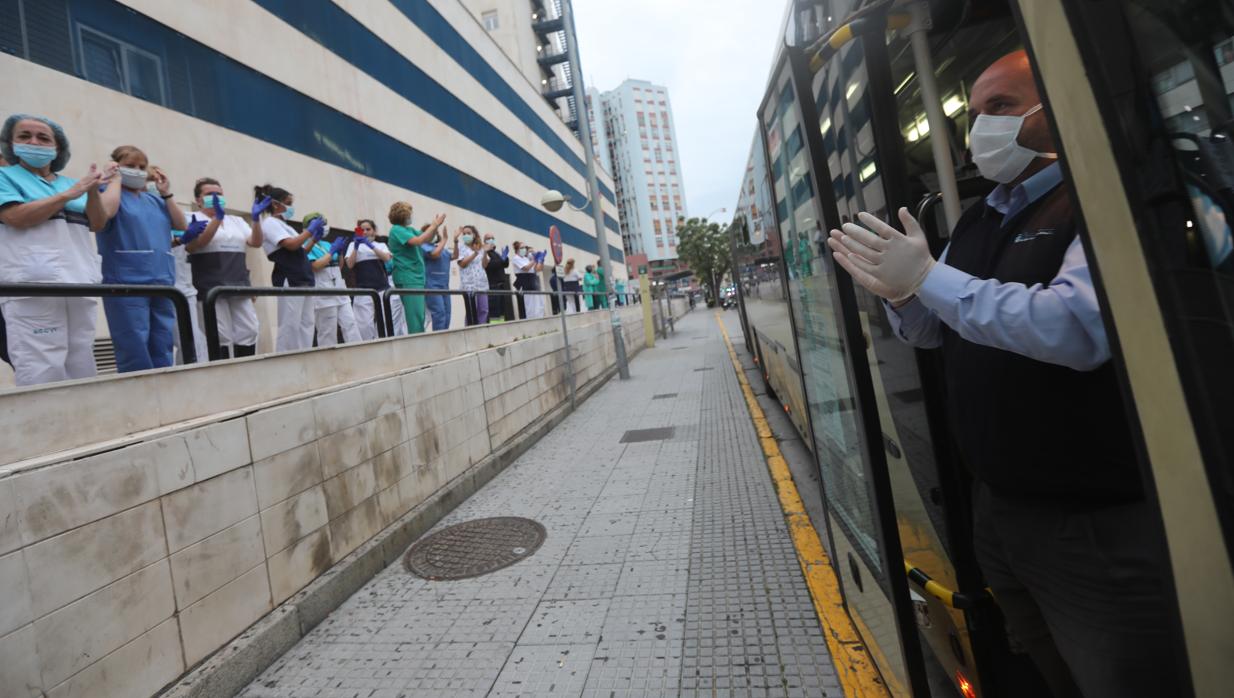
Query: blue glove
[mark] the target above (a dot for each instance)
(505, 253)
(317, 227)
(338, 245)
(195, 227)
(540, 257)
(261, 206)
(218, 209)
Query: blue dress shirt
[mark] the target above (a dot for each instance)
(1058, 323)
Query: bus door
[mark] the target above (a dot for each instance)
(1142, 95)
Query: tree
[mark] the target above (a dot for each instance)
(704, 248)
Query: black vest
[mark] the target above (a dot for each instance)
(1029, 429)
(212, 269)
(292, 266)
(371, 273)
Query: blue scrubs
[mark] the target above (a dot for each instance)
(136, 249)
(437, 275)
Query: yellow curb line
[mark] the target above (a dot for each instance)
(858, 675)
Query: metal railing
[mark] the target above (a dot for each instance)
(209, 315)
(184, 322)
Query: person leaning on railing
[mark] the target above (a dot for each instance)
(472, 278)
(45, 238)
(288, 250)
(405, 245)
(134, 238)
(367, 259)
(216, 244)
(333, 313)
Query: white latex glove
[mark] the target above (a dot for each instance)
(883, 260)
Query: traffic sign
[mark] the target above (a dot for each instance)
(554, 243)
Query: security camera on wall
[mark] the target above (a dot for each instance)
(552, 200)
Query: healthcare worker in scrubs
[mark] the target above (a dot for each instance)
(527, 266)
(366, 257)
(601, 286)
(217, 258)
(591, 285)
(333, 313)
(45, 238)
(405, 244)
(134, 239)
(437, 258)
(288, 250)
(472, 277)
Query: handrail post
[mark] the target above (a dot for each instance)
(184, 322)
(387, 312)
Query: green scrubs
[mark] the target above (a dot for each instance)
(408, 273)
(590, 285)
(601, 287)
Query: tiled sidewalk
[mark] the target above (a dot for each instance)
(667, 569)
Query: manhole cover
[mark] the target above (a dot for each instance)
(663, 396)
(657, 434)
(473, 548)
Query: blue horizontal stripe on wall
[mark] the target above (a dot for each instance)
(425, 16)
(211, 86)
(340, 33)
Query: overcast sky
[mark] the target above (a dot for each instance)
(712, 55)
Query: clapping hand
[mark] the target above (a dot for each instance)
(261, 206)
(505, 253)
(317, 228)
(90, 182)
(195, 227)
(880, 258)
(339, 244)
(160, 180)
(539, 257)
(441, 218)
(218, 209)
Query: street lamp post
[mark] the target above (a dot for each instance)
(593, 185)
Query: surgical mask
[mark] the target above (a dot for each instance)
(152, 188)
(289, 213)
(467, 239)
(490, 242)
(209, 199)
(996, 153)
(526, 252)
(133, 178)
(36, 156)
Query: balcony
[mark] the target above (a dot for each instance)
(551, 59)
(545, 27)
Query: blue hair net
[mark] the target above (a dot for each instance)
(62, 141)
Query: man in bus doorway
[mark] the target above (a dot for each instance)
(1063, 533)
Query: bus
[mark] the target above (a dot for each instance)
(866, 109)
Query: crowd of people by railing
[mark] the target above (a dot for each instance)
(119, 224)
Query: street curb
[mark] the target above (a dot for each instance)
(226, 672)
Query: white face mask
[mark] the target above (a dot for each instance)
(995, 151)
(132, 178)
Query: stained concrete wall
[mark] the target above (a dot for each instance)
(192, 502)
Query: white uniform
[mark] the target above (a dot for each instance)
(333, 312)
(49, 339)
(363, 305)
(534, 305)
(184, 282)
(236, 315)
(295, 313)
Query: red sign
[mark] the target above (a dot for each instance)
(554, 242)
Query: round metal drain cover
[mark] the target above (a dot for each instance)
(473, 548)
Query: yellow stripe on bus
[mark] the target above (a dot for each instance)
(858, 675)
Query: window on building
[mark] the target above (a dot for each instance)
(659, 155)
(121, 66)
(653, 204)
(642, 120)
(664, 200)
(489, 20)
(657, 225)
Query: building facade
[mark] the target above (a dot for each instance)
(638, 118)
(349, 106)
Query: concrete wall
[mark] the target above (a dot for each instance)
(192, 502)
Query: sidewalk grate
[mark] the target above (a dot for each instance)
(657, 434)
(473, 548)
(709, 368)
(663, 396)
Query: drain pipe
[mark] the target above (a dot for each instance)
(944, 167)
